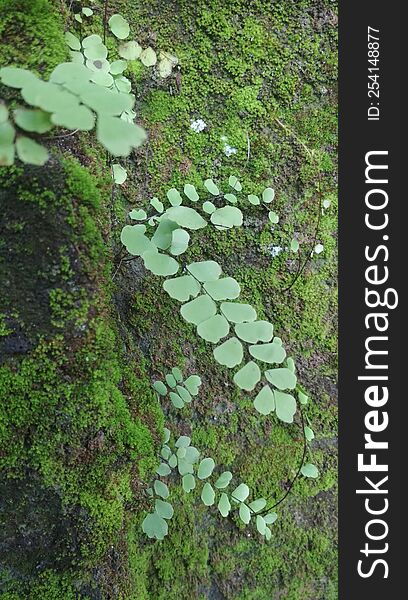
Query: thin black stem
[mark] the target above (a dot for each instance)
(266, 510)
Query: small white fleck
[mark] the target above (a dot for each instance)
(198, 125)
(229, 150)
(275, 250)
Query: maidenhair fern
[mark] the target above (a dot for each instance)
(243, 343)
(179, 459)
(89, 92)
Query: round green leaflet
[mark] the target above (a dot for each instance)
(88, 12)
(198, 310)
(119, 174)
(230, 353)
(123, 84)
(318, 248)
(78, 117)
(268, 195)
(177, 374)
(226, 288)
(106, 102)
(227, 217)
(282, 378)
(91, 40)
(72, 41)
(192, 455)
(244, 513)
(237, 312)
(117, 67)
(173, 461)
(155, 202)
(209, 207)
(290, 363)
(182, 288)
(224, 505)
(260, 524)
(206, 467)
(118, 136)
(171, 380)
(207, 270)
(310, 470)
(285, 406)
(309, 434)
(258, 505)
(208, 495)
(264, 403)
(184, 394)
(254, 199)
(294, 245)
(257, 331)
(165, 452)
(16, 78)
(234, 183)
(164, 509)
(273, 217)
(241, 492)
(230, 198)
(160, 388)
(186, 217)
(164, 233)
(96, 52)
(130, 50)
(163, 470)
(183, 441)
(36, 121)
(303, 399)
(269, 353)
(270, 518)
(191, 192)
(102, 78)
(135, 241)
(223, 480)
(154, 526)
(148, 57)
(30, 152)
(211, 187)
(179, 243)
(181, 453)
(166, 434)
(161, 489)
(174, 197)
(192, 383)
(188, 482)
(160, 264)
(119, 27)
(213, 329)
(247, 377)
(176, 400)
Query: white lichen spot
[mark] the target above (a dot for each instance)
(275, 250)
(198, 125)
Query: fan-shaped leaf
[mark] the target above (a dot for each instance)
(154, 526)
(209, 207)
(30, 152)
(79, 117)
(282, 378)
(247, 377)
(244, 513)
(174, 197)
(268, 195)
(119, 174)
(160, 388)
(214, 329)
(198, 310)
(16, 78)
(224, 505)
(182, 288)
(254, 199)
(183, 441)
(223, 480)
(206, 467)
(257, 331)
(285, 406)
(211, 187)
(163, 470)
(241, 492)
(237, 312)
(160, 264)
(309, 433)
(72, 41)
(118, 136)
(258, 504)
(207, 270)
(179, 242)
(227, 217)
(186, 217)
(260, 524)
(130, 50)
(234, 183)
(119, 27)
(310, 470)
(193, 383)
(269, 353)
(148, 57)
(226, 288)
(191, 192)
(164, 233)
(189, 482)
(135, 241)
(230, 353)
(270, 518)
(176, 400)
(265, 401)
(208, 495)
(161, 489)
(231, 198)
(36, 121)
